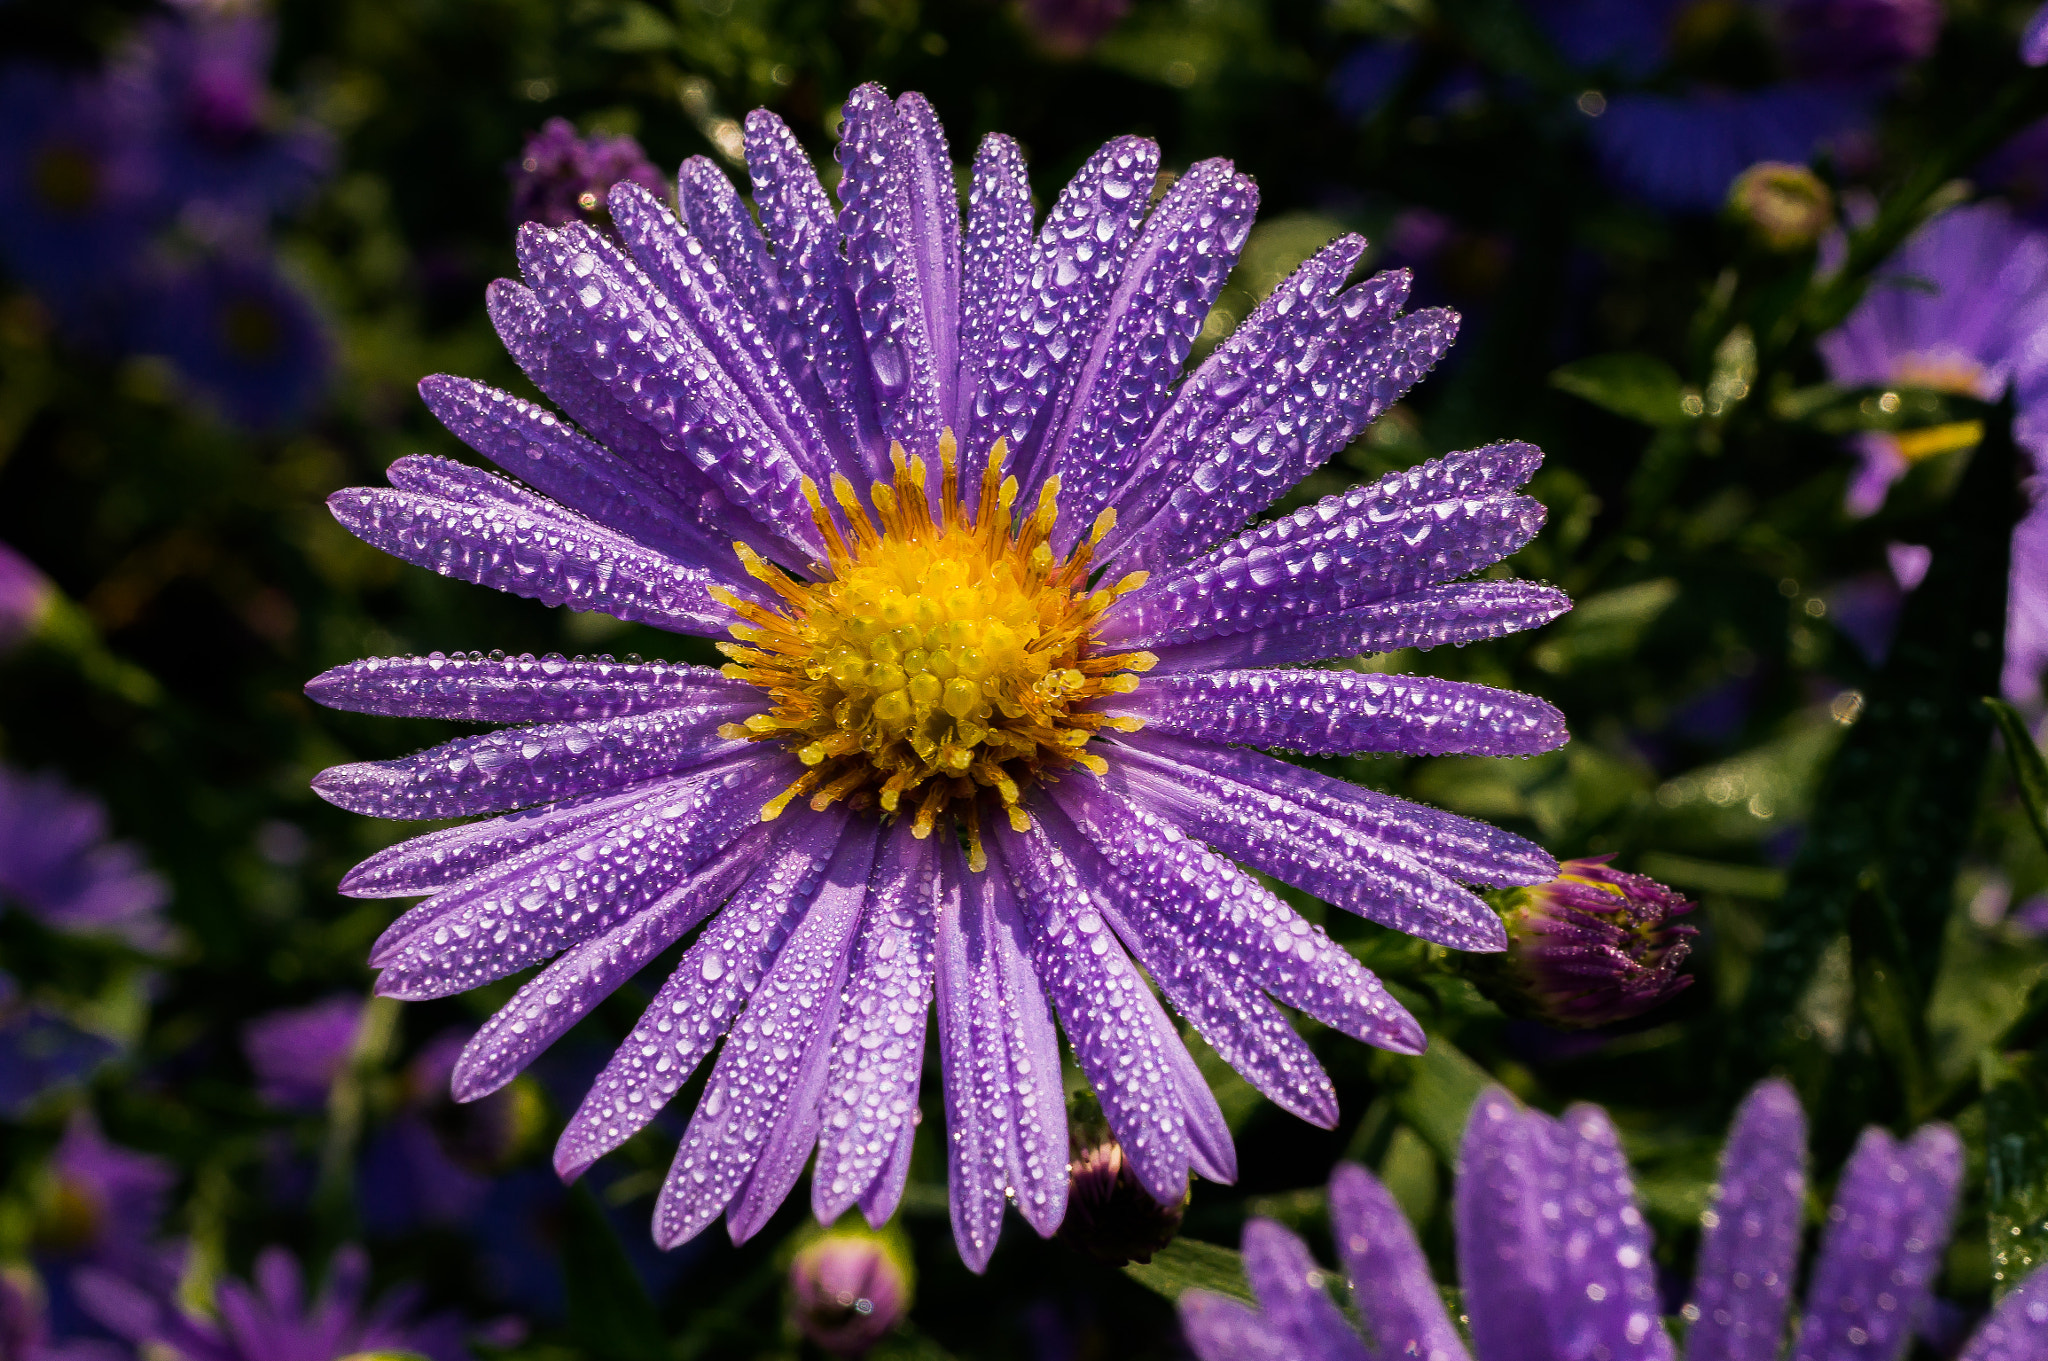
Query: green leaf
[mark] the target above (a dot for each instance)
(2028, 768)
(1189, 1264)
(1434, 1092)
(2015, 1166)
(609, 1312)
(1638, 386)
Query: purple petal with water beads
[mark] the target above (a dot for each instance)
(1390, 1279)
(1294, 1295)
(1222, 1329)
(1339, 713)
(750, 1088)
(496, 772)
(1457, 847)
(2017, 1329)
(1182, 256)
(542, 450)
(522, 689)
(870, 1099)
(1606, 1305)
(1749, 1249)
(1507, 1172)
(715, 215)
(795, 1132)
(557, 558)
(1075, 264)
(718, 973)
(1461, 613)
(559, 895)
(1211, 1151)
(1096, 991)
(563, 993)
(994, 275)
(1204, 985)
(1006, 1121)
(1355, 872)
(1886, 1234)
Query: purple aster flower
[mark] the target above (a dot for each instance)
(272, 1320)
(106, 1203)
(2034, 41)
(847, 1290)
(1962, 308)
(26, 596)
(1554, 1254)
(1854, 39)
(297, 1054)
(244, 338)
(41, 1051)
(57, 864)
(25, 1325)
(1682, 152)
(1044, 633)
(1071, 28)
(562, 177)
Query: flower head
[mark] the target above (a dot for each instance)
(104, 1203)
(1110, 1215)
(562, 177)
(1575, 1277)
(57, 864)
(848, 1289)
(244, 338)
(297, 1054)
(999, 643)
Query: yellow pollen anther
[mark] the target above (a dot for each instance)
(944, 662)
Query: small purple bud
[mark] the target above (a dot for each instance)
(562, 177)
(26, 596)
(1784, 206)
(1591, 947)
(1110, 1215)
(848, 1289)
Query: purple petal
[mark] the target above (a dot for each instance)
(1458, 847)
(795, 1133)
(870, 1102)
(2034, 41)
(878, 1204)
(1465, 612)
(1336, 713)
(1389, 1277)
(495, 772)
(1006, 1119)
(524, 689)
(1507, 1172)
(716, 975)
(1291, 1291)
(1075, 264)
(1750, 1248)
(1175, 270)
(2017, 1329)
(994, 276)
(717, 217)
(1219, 1328)
(1607, 1304)
(1211, 1152)
(562, 994)
(1886, 1234)
(558, 559)
(750, 1086)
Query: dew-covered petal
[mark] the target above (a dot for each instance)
(1886, 1234)
(714, 213)
(562, 994)
(1006, 1119)
(1219, 1328)
(1338, 713)
(750, 1086)
(1460, 848)
(995, 271)
(795, 1132)
(870, 1099)
(1294, 1295)
(1508, 1171)
(1749, 1247)
(1390, 1280)
(2017, 1329)
(1075, 263)
(1460, 613)
(1606, 1305)
(713, 980)
(523, 689)
(495, 772)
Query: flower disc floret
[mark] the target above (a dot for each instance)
(941, 658)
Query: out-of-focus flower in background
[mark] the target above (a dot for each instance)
(41, 1051)
(244, 338)
(2034, 41)
(1855, 39)
(297, 1054)
(58, 864)
(1071, 28)
(849, 1288)
(562, 176)
(1785, 207)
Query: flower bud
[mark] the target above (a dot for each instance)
(1785, 206)
(848, 1289)
(1591, 947)
(1110, 1215)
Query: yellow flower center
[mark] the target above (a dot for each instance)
(940, 659)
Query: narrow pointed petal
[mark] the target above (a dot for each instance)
(878, 1203)
(1389, 1277)
(1339, 713)
(1219, 1328)
(446, 858)
(995, 271)
(795, 1134)
(716, 216)
(1886, 1234)
(1607, 1303)
(525, 689)
(1293, 1296)
(2017, 1329)
(562, 994)
(715, 977)
(1749, 1252)
(1211, 1151)
(1507, 1173)
(750, 1086)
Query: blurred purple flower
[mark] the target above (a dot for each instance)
(1682, 152)
(2034, 41)
(1854, 39)
(847, 1290)
(1962, 308)
(1071, 28)
(1624, 37)
(244, 338)
(1554, 1254)
(57, 864)
(26, 1327)
(41, 1051)
(563, 177)
(434, 1163)
(1366, 79)
(274, 1321)
(297, 1054)
(26, 596)
(108, 1204)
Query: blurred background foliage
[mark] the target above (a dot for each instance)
(1738, 630)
